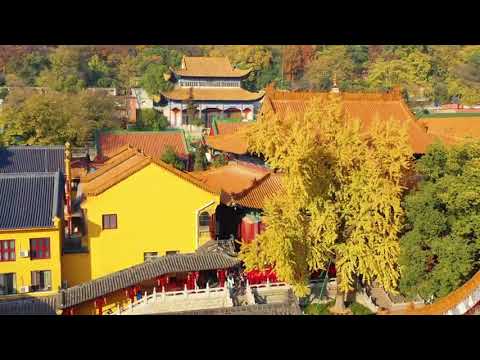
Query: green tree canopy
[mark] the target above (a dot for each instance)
(31, 117)
(100, 73)
(151, 119)
(440, 250)
(256, 57)
(28, 67)
(153, 79)
(67, 72)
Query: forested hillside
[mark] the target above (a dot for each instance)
(434, 73)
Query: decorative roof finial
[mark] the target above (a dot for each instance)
(335, 89)
(68, 150)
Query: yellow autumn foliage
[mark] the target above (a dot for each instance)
(341, 199)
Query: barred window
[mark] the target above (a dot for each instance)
(40, 248)
(109, 221)
(7, 250)
(204, 219)
(41, 280)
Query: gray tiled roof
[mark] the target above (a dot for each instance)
(23, 159)
(29, 306)
(148, 270)
(30, 200)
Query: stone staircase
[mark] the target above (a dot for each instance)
(270, 295)
(380, 298)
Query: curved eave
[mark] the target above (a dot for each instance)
(172, 96)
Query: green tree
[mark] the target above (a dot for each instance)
(67, 72)
(151, 119)
(329, 61)
(100, 73)
(153, 80)
(160, 55)
(170, 157)
(127, 72)
(200, 159)
(411, 71)
(28, 67)
(341, 197)
(440, 250)
(30, 117)
(255, 57)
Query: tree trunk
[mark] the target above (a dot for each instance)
(339, 306)
(339, 302)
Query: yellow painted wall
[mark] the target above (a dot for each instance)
(76, 268)
(24, 266)
(156, 212)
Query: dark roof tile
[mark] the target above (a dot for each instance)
(24, 159)
(30, 200)
(30, 306)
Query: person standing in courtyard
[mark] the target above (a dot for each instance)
(231, 289)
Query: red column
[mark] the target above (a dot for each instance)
(98, 303)
(68, 311)
(221, 277)
(190, 280)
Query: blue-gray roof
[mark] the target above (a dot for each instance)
(30, 200)
(25, 159)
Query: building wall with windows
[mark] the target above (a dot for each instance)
(151, 211)
(31, 255)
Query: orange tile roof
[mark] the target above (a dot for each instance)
(225, 128)
(363, 106)
(218, 94)
(243, 184)
(231, 137)
(262, 190)
(452, 130)
(153, 143)
(235, 143)
(231, 178)
(125, 163)
(209, 67)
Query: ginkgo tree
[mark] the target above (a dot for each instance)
(341, 200)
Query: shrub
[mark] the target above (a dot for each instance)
(200, 159)
(319, 309)
(170, 157)
(153, 120)
(219, 161)
(358, 309)
(3, 93)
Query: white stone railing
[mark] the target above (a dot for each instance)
(164, 296)
(267, 284)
